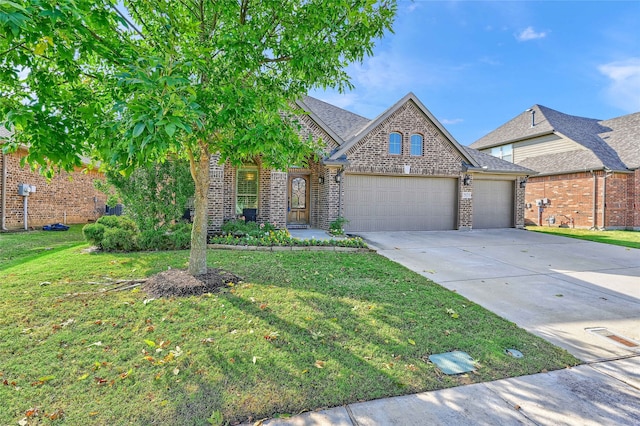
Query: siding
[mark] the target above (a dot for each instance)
(549, 144)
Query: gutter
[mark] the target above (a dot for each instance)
(583, 171)
(515, 140)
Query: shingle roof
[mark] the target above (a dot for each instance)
(494, 164)
(352, 127)
(344, 123)
(563, 162)
(587, 132)
(624, 138)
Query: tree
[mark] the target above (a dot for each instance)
(135, 82)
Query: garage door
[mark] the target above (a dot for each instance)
(492, 204)
(398, 203)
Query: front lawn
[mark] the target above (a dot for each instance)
(619, 238)
(304, 330)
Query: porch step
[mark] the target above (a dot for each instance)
(294, 226)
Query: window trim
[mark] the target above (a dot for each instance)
(247, 168)
(394, 143)
(421, 145)
(499, 152)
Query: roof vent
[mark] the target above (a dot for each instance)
(533, 116)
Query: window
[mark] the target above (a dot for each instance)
(504, 152)
(416, 145)
(395, 143)
(246, 189)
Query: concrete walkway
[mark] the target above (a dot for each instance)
(555, 287)
(311, 234)
(584, 395)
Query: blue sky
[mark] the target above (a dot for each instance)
(476, 64)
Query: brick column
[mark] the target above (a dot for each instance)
(215, 196)
(278, 203)
(465, 203)
(519, 201)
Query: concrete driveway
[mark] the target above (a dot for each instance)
(579, 295)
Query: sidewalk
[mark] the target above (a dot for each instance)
(312, 234)
(603, 393)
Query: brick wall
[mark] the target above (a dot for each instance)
(215, 196)
(465, 205)
(633, 200)
(440, 158)
(68, 198)
(571, 198)
(520, 197)
(371, 154)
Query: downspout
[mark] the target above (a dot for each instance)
(3, 205)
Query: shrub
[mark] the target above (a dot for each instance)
(94, 233)
(335, 227)
(167, 238)
(108, 230)
(180, 236)
(119, 239)
(122, 222)
(154, 239)
(241, 228)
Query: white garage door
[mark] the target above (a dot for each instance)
(493, 204)
(398, 203)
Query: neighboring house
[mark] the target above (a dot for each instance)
(67, 198)
(588, 169)
(400, 171)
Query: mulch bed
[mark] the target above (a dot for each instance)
(179, 283)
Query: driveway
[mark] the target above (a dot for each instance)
(579, 295)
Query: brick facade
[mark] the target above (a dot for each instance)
(370, 155)
(68, 198)
(572, 202)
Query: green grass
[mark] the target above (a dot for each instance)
(304, 330)
(28, 245)
(618, 238)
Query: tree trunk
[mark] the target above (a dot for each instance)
(200, 173)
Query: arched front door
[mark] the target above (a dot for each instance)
(298, 196)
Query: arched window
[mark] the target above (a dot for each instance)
(395, 143)
(416, 145)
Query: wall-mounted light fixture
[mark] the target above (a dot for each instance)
(338, 177)
(466, 180)
(321, 180)
(523, 182)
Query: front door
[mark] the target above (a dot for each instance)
(298, 197)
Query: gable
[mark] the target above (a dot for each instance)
(371, 152)
(310, 128)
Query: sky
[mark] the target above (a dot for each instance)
(477, 64)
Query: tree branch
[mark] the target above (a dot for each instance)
(128, 21)
(13, 48)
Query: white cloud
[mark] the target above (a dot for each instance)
(451, 120)
(390, 72)
(530, 34)
(624, 85)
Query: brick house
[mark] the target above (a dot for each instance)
(399, 171)
(67, 198)
(588, 169)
